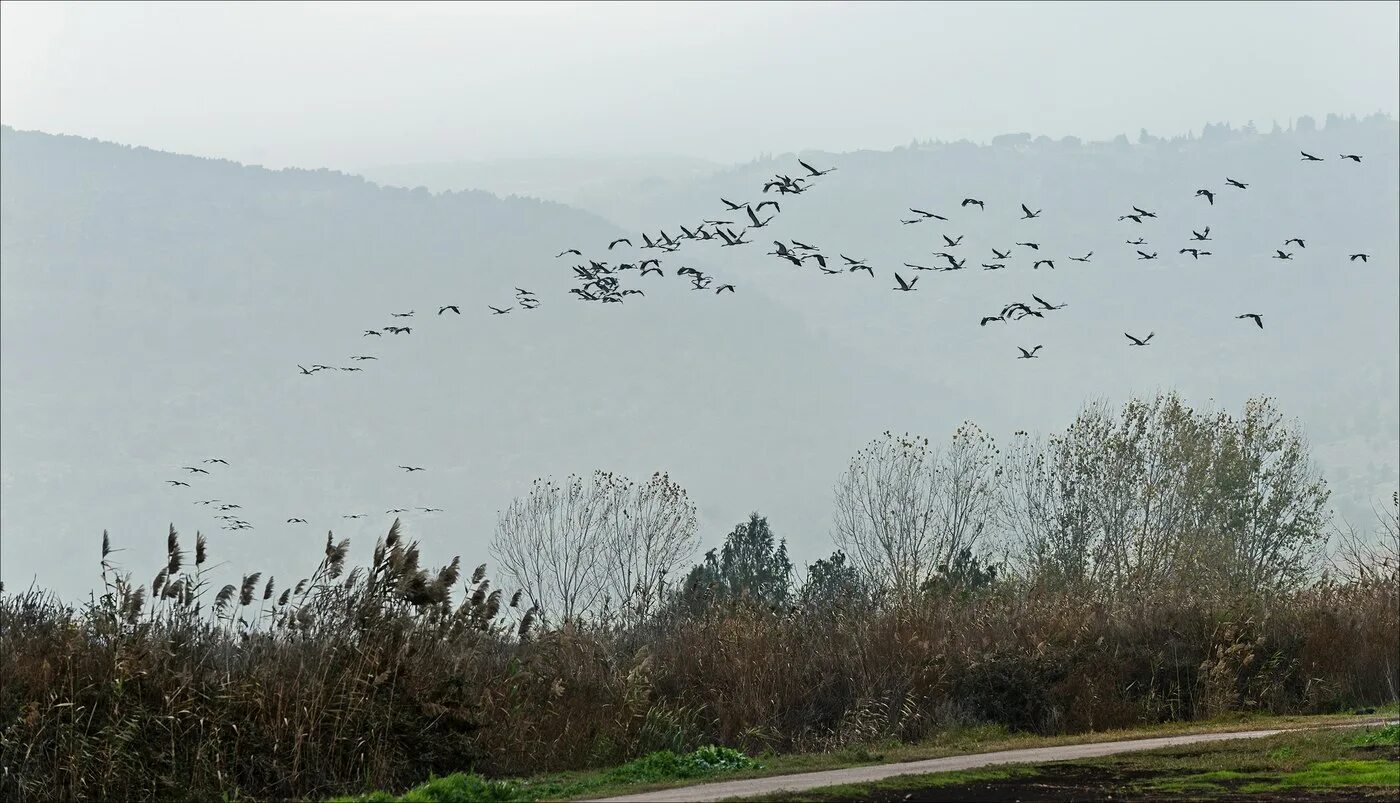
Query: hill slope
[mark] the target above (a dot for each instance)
(153, 309)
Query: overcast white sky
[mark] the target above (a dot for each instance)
(348, 85)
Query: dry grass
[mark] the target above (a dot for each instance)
(374, 678)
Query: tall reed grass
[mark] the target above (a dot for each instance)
(376, 676)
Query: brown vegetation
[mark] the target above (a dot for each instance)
(377, 676)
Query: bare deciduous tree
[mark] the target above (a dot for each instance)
(651, 531)
(594, 543)
(903, 509)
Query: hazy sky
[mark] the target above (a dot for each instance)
(347, 85)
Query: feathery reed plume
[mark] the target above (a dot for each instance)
(172, 540)
(245, 594)
(267, 591)
(529, 619)
(286, 595)
(301, 586)
(447, 577)
(132, 607)
(159, 582)
(393, 537)
(478, 574)
(177, 556)
(479, 596)
(106, 545)
(515, 598)
(225, 594)
(200, 554)
(493, 605)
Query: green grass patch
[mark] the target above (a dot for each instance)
(659, 767)
(1334, 775)
(1389, 735)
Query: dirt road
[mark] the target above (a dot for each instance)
(1035, 755)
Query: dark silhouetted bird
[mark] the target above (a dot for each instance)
(903, 285)
(973, 201)
(1362, 257)
(1281, 255)
(1046, 304)
(1139, 342)
(1352, 156)
(1028, 213)
(992, 319)
(1201, 235)
(296, 521)
(1297, 240)
(573, 251)
(813, 170)
(1145, 255)
(1209, 196)
(412, 468)
(1308, 157)
(1040, 262)
(614, 243)
(1026, 355)
(1084, 258)
(1258, 319)
(174, 483)
(1234, 183)
(452, 307)
(498, 310)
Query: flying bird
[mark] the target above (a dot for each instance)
(1028, 213)
(296, 521)
(992, 319)
(724, 287)
(497, 310)
(194, 470)
(1138, 241)
(865, 268)
(1027, 355)
(1144, 212)
(1297, 240)
(1352, 157)
(1046, 304)
(1234, 183)
(452, 307)
(1201, 235)
(174, 483)
(1209, 196)
(1136, 341)
(408, 314)
(1040, 262)
(573, 251)
(364, 358)
(431, 509)
(1258, 319)
(813, 170)
(1035, 246)
(951, 242)
(1084, 258)
(411, 468)
(1195, 253)
(1308, 157)
(1281, 255)
(217, 460)
(614, 243)
(1362, 257)
(307, 371)
(1145, 255)
(973, 202)
(374, 332)
(903, 285)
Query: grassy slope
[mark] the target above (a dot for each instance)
(655, 775)
(1314, 761)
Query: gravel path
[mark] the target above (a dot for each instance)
(1034, 755)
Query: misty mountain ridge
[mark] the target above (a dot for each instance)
(190, 288)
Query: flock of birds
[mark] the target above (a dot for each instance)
(232, 520)
(601, 281)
